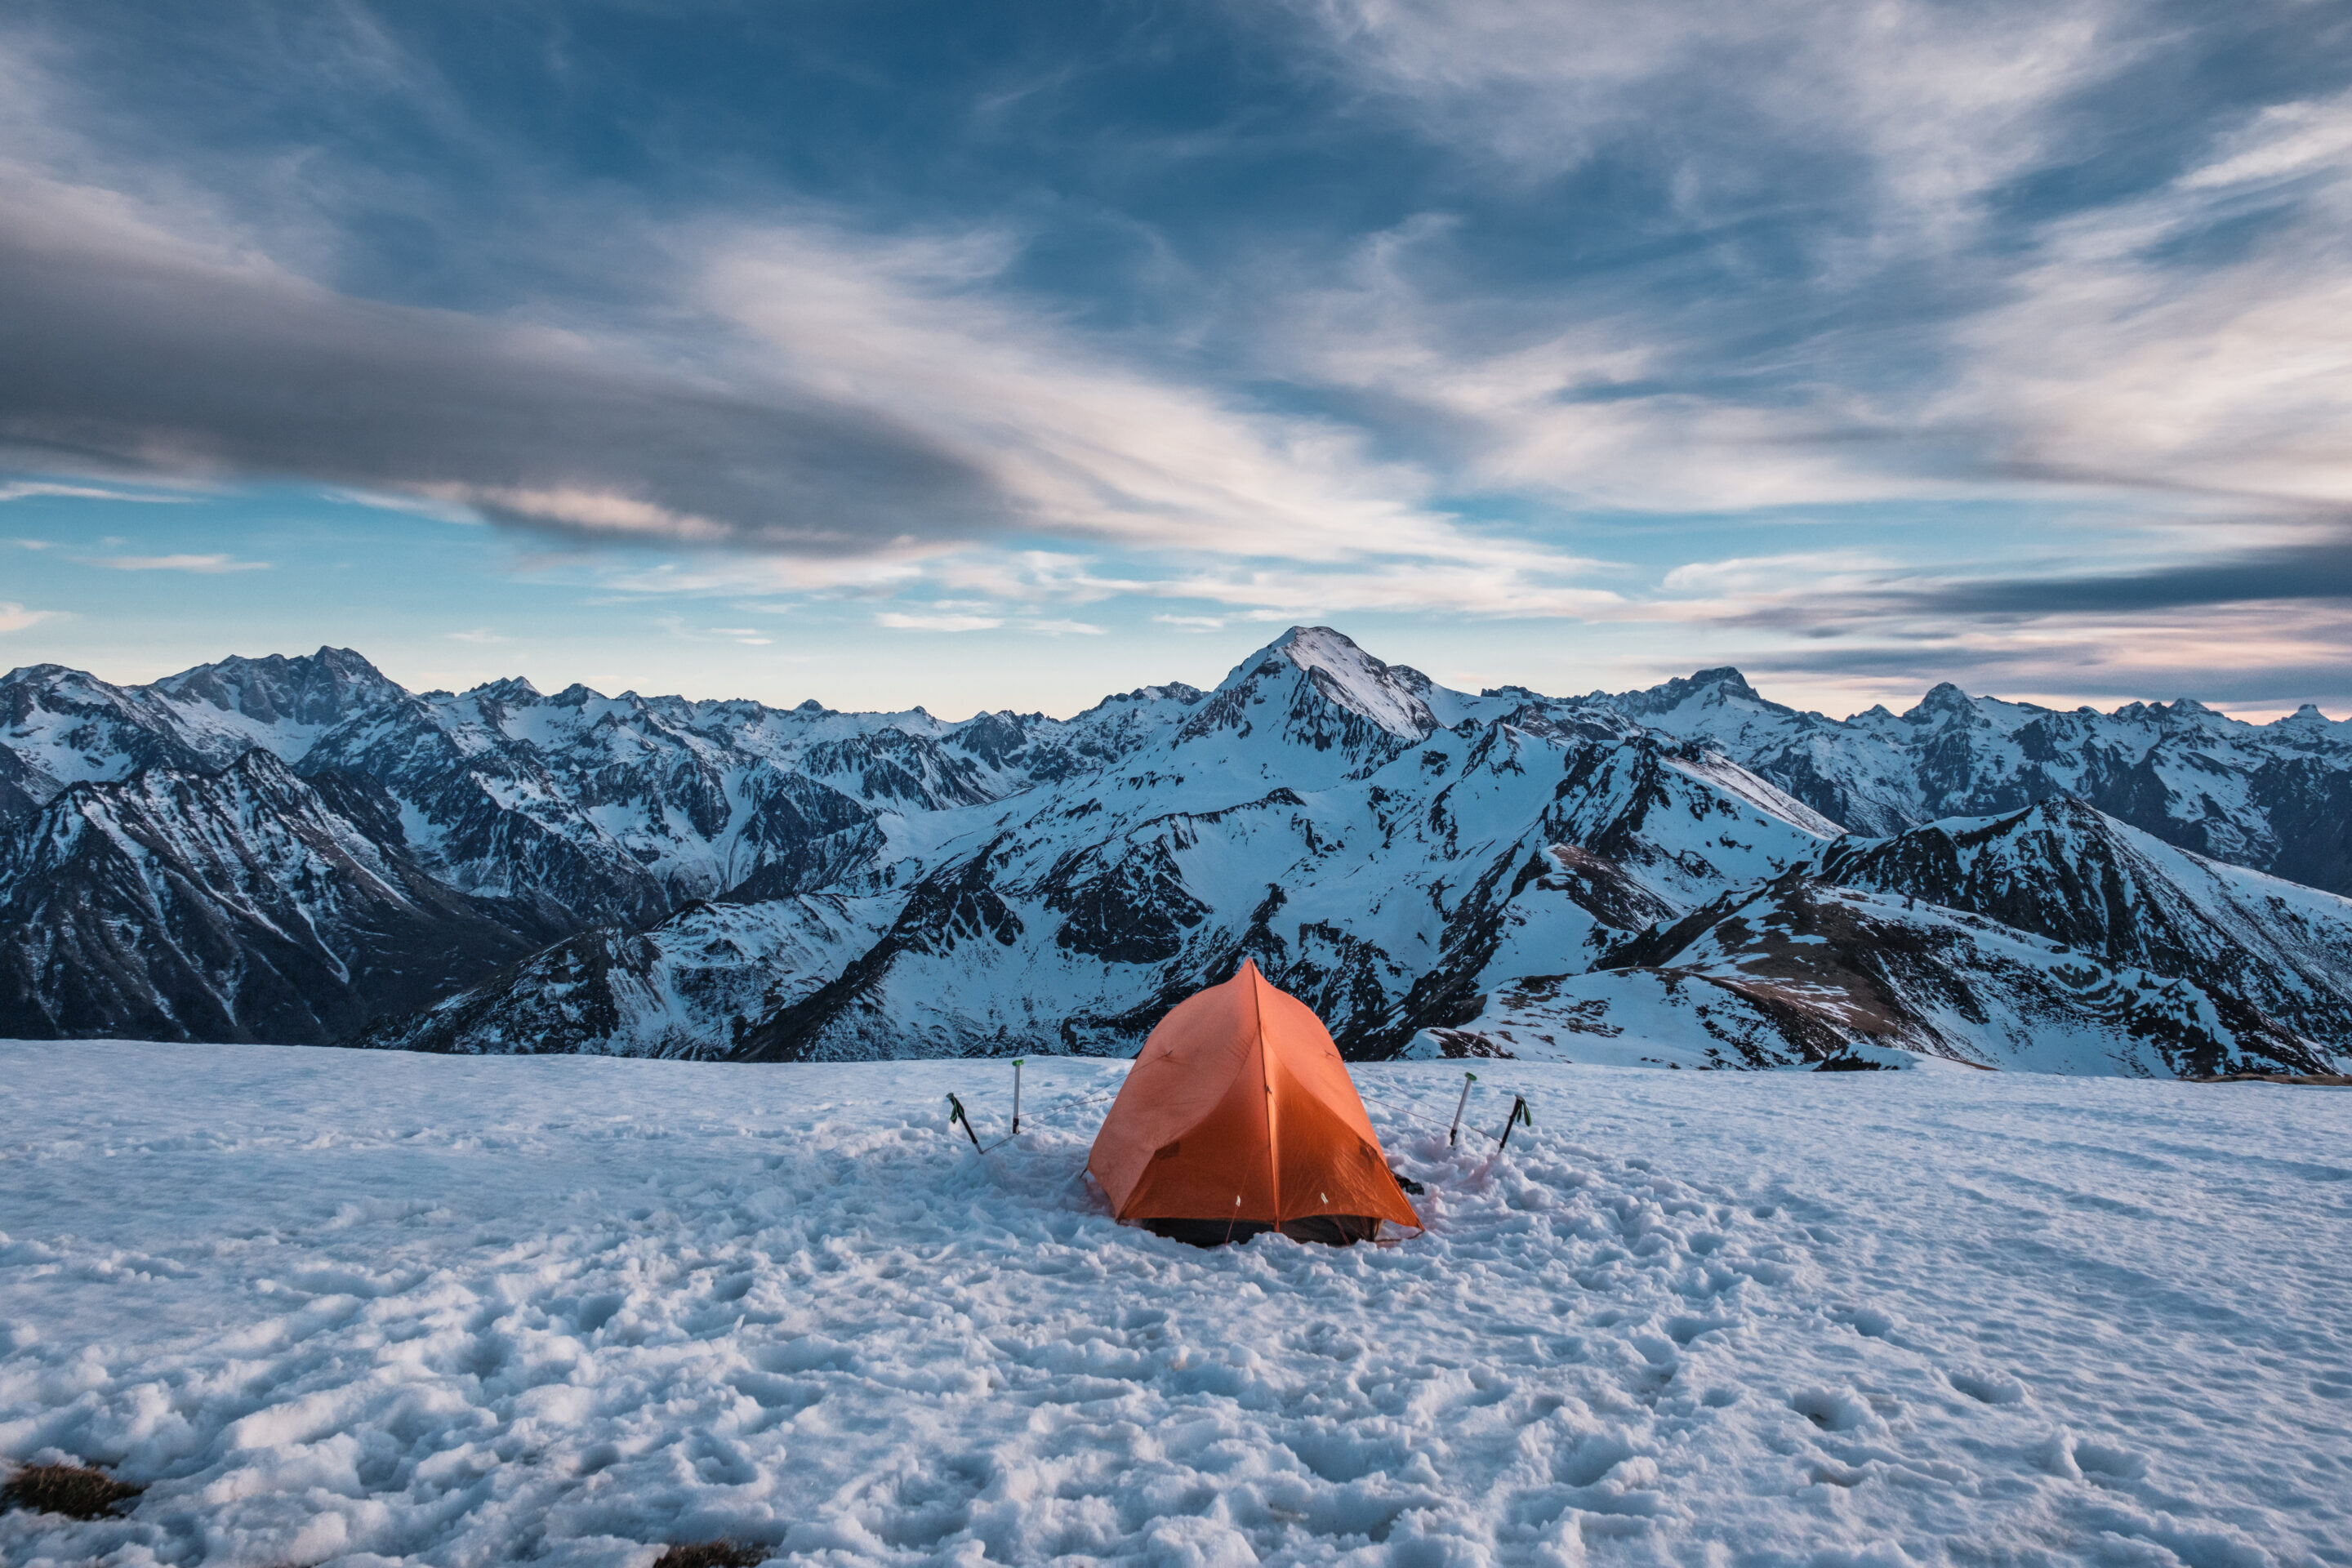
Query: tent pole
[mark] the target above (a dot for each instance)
(1453, 1133)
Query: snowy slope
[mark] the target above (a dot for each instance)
(376, 1309)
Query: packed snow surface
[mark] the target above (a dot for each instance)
(368, 1308)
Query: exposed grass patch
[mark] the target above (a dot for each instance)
(78, 1492)
(713, 1554)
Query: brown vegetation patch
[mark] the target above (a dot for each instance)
(713, 1554)
(77, 1492)
(2299, 1079)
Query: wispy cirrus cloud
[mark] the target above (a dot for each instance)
(2130, 351)
(741, 637)
(208, 565)
(950, 619)
(21, 489)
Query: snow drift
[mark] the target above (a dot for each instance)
(392, 1307)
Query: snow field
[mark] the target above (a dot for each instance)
(359, 1307)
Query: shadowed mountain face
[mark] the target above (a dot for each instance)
(240, 905)
(299, 849)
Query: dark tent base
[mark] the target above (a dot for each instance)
(1331, 1230)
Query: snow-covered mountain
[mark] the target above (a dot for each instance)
(2276, 798)
(1436, 871)
(243, 904)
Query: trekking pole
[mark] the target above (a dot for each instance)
(957, 1115)
(1017, 1093)
(1519, 1112)
(1453, 1132)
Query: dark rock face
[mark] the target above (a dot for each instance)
(1830, 967)
(229, 906)
(803, 836)
(955, 907)
(20, 791)
(2307, 803)
(691, 986)
(2066, 871)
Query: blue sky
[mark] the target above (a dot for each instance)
(896, 353)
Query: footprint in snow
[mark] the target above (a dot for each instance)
(1986, 1387)
(1832, 1410)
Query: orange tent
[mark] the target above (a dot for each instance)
(1239, 1117)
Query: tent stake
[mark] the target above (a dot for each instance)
(1519, 1112)
(1016, 1094)
(957, 1115)
(1453, 1133)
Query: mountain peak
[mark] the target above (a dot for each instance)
(1388, 695)
(1711, 687)
(512, 689)
(1943, 701)
(317, 688)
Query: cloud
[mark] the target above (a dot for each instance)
(135, 348)
(1844, 250)
(954, 620)
(2320, 569)
(2250, 653)
(1611, 412)
(1192, 623)
(1914, 110)
(1491, 580)
(16, 617)
(1807, 569)
(1082, 443)
(478, 634)
(207, 566)
(741, 637)
(2132, 351)
(891, 400)
(21, 489)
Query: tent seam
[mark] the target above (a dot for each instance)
(1266, 1074)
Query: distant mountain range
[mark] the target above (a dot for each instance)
(299, 849)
